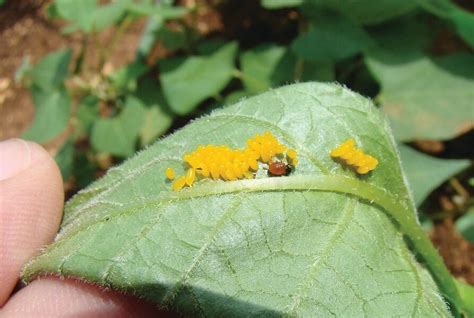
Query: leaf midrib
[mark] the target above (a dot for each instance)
(330, 183)
(289, 139)
(394, 206)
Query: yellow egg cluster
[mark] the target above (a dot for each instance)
(223, 162)
(265, 146)
(354, 157)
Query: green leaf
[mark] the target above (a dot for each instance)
(86, 114)
(411, 33)
(266, 66)
(465, 225)
(425, 98)
(52, 112)
(173, 39)
(331, 38)
(85, 170)
(278, 4)
(24, 70)
(426, 173)
(125, 78)
(209, 47)
(467, 293)
(156, 123)
(158, 117)
(270, 65)
(164, 12)
(462, 20)
(118, 135)
(65, 159)
(366, 11)
(235, 96)
(318, 71)
(189, 82)
(52, 70)
(108, 15)
(80, 13)
(86, 16)
(149, 36)
(320, 242)
(52, 11)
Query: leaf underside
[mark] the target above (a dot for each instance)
(317, 242)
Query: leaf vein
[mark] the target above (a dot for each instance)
(171, 294)
(313, 270)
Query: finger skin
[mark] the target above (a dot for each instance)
(53, 297)
(31, 203)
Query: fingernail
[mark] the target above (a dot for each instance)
(15, 156)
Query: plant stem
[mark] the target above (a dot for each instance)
(82, 55)
(105, 53)
(459, 188)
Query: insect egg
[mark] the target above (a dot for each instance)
(169, 172)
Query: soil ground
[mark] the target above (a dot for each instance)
(25, 31)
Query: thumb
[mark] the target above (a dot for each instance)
(31, 202)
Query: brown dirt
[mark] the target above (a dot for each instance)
(26, 31)
(457, 253)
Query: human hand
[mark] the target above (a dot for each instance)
(31, 205)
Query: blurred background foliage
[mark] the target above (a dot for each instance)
(413, 58)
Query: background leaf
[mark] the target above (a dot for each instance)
(125, 78)
(278, 4)
(24, 70)
(426, 173)
(52, 112)
(332, 37)
(118, 135)
(155, 124)
(80, 13)
(425, 98)
(465, 225)
(87, 16)
(50, 96)
(235, 96)
(220, 249)
(107, 15)
(86, 114)
(266, 66)
(189, 82)
(158, 117)
(403, 36)
(65, 159)
(462, 20)
(149, 37)
(365, 12)
(52, 70)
